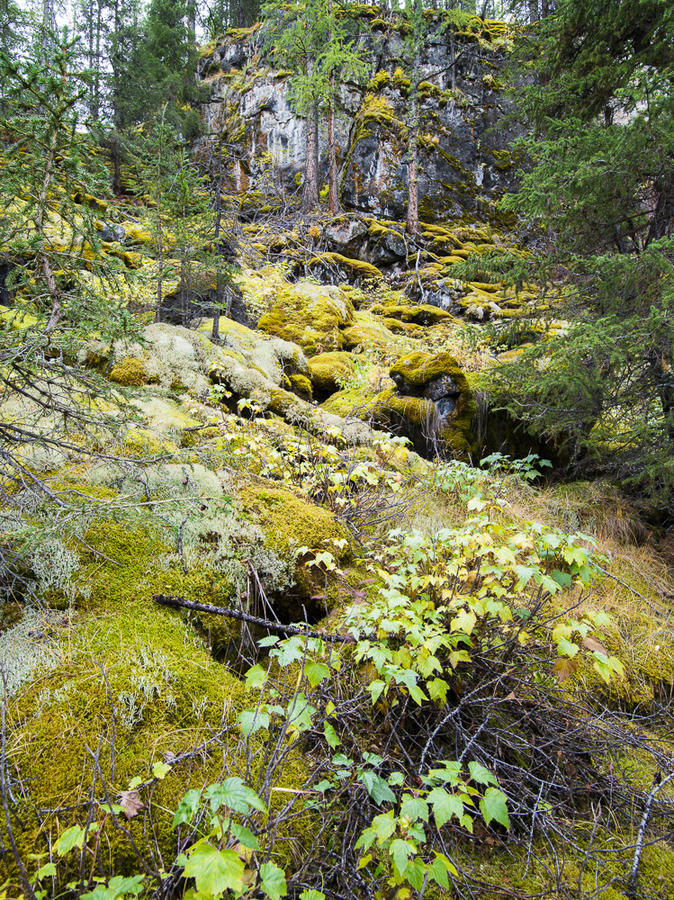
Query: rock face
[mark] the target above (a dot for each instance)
(463, 160)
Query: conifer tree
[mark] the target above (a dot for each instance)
(599, 183)
(49, 163)
(311, 38)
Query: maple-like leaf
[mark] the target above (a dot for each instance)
(131, 803)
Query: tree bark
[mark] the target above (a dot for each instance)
(310, 190)
(413, 170)
(332, 152)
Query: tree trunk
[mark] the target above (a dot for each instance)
(116, 157)
(662, 223)
(310, 190)
(413, 171)
(533, 11)
(42, 207)
(332, 152)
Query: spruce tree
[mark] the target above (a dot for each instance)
(50, 165)
(311, 38)
(599, 186)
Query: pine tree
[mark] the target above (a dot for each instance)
(311, 38)
(599, 184)
(49, 163)
(185, 221)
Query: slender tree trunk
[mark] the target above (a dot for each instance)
(97, 65)
(215, 332)
(192, 21)
(662, 223)
(413, 153)
(42, 208)
(310, 190)
(332, 152)
(533, 11)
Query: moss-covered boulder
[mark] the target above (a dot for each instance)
(134, 703)
(432, 404)
(417, 314)
(329, 371)
(289, 521)
(130, 372)
(274, 357)
(368, 332)
(310, 315)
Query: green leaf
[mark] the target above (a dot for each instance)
(415, 873)
(215, 871)
(245, 836)
(494, 807)
(118, 887)
(377, 787)
(437, 689)
(383, 826)
(252, 720)
(233, 794)
(72, 837)
(375, 688)
(400, 851)
(445, 805)
(316, 672)
(414, 808)
(331, 735)
(255, 677)
(273, 881)
(563, 579)
(480, 774)
(160, 770)
(48, 870)
(567, 648)
(312, 895)
(187, 807)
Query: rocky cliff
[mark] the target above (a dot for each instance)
(464, 163)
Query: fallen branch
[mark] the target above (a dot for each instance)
(279, 627)
(632, 882)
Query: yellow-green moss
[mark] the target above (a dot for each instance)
(301, 385)
(419, 314)
(418, 369)
(130, 372)
(310, 315)
(358, 266)
(328, 369)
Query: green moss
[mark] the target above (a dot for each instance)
(136, 234)
(141, 443)
(289, 521)
(130, 372)
(310, 315)
(368, 332)
(328, 369)
(357, 266)
(301, 385)
(418, 369)
(420, 314)
(381, 80)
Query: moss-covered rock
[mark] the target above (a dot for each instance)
(301, 386)
(290, 521)
(328, 371)
(432, 404)
(273, 357)
(310, 315)
(368, 332)
(131, 372)
(418, 314)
